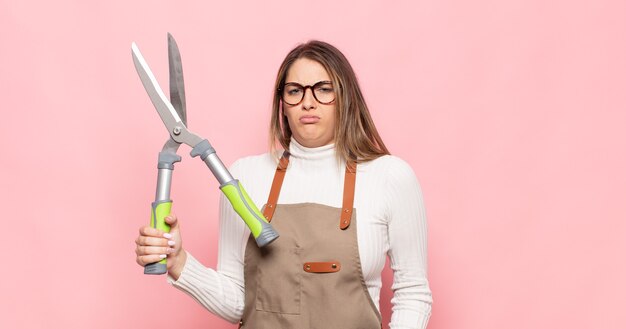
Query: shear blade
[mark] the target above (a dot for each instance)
(177, 83)
(170, 117)
(166, 111)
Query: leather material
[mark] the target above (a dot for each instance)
(348, 195)
(277, 183)
(348, 191)
(322, 267)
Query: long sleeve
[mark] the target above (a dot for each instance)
(412, 299)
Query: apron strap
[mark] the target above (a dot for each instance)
(270, 206)
(348, 195)
(348, 191)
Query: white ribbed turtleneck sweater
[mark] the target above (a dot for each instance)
(391, 221)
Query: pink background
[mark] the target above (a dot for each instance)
(511, 113)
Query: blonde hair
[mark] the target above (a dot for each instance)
(355, 135)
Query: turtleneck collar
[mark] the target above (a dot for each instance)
(326, 152)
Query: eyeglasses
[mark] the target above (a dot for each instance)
(293, 93)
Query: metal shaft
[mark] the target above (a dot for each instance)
(218, 169)
(164, 182)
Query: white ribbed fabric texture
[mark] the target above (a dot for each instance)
(390, 221)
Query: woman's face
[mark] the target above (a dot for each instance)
(312, 123)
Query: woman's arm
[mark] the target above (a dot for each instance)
(412, 299)
(220, 291)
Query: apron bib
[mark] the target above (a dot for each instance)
(311, 277)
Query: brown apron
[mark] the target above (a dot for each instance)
(310, 277)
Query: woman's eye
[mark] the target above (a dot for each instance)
(294, 91)
(325, 89)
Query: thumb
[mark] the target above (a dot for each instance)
(172, 220)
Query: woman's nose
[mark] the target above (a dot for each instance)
(308, 102)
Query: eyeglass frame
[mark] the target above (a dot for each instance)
(304, 88)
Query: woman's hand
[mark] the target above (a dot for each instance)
(153, 245)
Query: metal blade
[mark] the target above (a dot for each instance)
(175, 126)
(163, 106)
(177, 83)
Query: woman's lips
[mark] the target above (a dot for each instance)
(308, 119)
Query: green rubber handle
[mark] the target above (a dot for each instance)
(242, 204)
(160, 210)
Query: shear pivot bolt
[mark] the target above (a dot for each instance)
(176, 131)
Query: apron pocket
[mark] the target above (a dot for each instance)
(279, 285)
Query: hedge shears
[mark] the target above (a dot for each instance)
(174, 116)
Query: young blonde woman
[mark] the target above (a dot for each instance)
(341, 203)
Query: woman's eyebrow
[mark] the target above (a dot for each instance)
(299, 83)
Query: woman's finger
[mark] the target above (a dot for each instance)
(149, 250)
(148, 259)
(172, 220)
(152, 241)
(151, 231)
